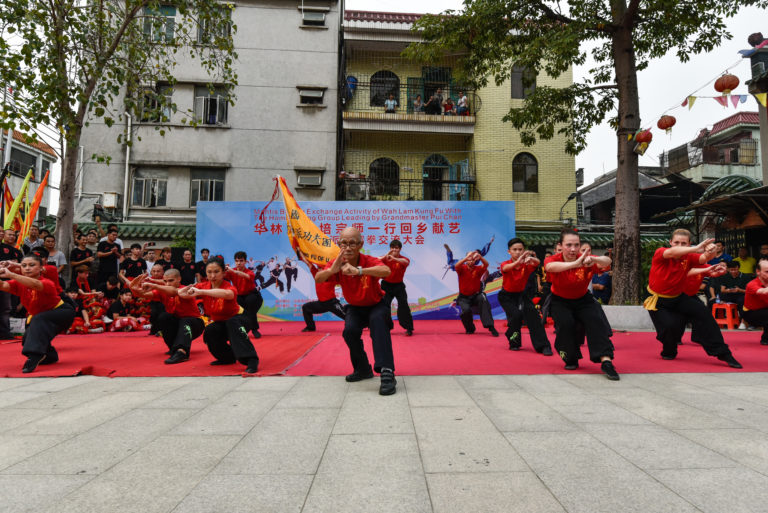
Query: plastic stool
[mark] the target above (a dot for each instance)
(731, 319)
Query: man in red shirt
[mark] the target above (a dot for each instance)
(248, 296)
(515, 273)
(668, 306)
(756, 300)
(359, 275)
(326, 299)
(470, 270)
(394, 287)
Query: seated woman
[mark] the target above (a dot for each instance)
(49, 315)
(227, 334)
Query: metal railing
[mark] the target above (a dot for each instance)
(363, 189)
(688, 156)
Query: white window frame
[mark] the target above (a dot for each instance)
(205, 33)
(159, 34)
(204, 184)
(150, 188)
(149, 95)
(213, 108)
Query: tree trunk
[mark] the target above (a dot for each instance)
(66, 214)
(626, 244)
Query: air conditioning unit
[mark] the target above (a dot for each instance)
(110, 200)
(309, 179)
(358, 191)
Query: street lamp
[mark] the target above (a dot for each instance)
(570, 197)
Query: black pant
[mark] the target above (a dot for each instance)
(179, 332)
(273, 279)
(672, 313)
(43, 327)
(155, 309)
(378, 320)
(759, 319)
(517, 307)
(397, 291)
(251, 303)
(235, 331)
(259, 278)
(5, 315)
(467, 302)
(290, 274)
(318, 307)
(567, 313)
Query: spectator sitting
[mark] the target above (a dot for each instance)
(390, 105)
(461, 106)
(418, 104)
(746, 262)
(733, 285)
(602, 286)
(720, 254)
(449, 111)
(120, 313)
(82, 323)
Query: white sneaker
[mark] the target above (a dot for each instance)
(147, 327)
(96, 330)
(742, 326)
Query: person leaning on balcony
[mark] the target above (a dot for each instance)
(461, 106)
(418, 104)
(390, 104)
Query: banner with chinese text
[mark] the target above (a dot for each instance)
(434, 234)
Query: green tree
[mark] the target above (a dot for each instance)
(73, 61)
(621, 37)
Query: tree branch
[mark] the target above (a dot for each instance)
(631, 14)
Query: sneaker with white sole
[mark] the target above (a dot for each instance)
(96, 330)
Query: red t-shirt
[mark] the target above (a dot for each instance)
(219, 309)
(51, 272)
(326, 290)
(668, 275)
(570, 284)
(398, 270)
(753, 300)
(243, 285)
(360, 290)
(469, 278)
(692, 284)
(516, 279)
(36, 301)
(176, 305)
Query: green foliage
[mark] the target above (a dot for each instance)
(552, 36)
(183, 242)
(647, 249)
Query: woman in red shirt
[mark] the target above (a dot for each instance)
(227, 335)
(571, 273)
(515, 273)
(49, 315)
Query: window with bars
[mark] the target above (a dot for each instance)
(21, 162)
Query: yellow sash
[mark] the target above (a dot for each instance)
(650, 302)
(29, 317)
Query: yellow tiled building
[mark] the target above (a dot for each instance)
(410, 154)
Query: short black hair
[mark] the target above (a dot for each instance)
(72, 288)
(112, 280)
(41, 252)
(240, 254)
(395, 244)
(732, 264)
(125, 291)
(111, 230)
(514, 241)
(216, 260)
(135, 245)
(205, 249)
(49, 236)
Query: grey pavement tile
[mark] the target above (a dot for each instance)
(316, 392)
(277, 383)
(462, 440)
(12, 418)
(498, 492)
(16, 447)
(367, 412)
(667, 412)
(583, 407)
(546, 383)
(567, 451)
(189, 455)
(436, 391)
(757, 394)
(718, 490)
(67, 397)
(9, 383)
(197, 394)
(653, 447)
(56, 384)
(234, 413)
(722, 378)
(159, 384)
(360, 472)
(88, 415)
(514, 410)
(286, 441)
(608, 490)
(493, 381)
(28, 493)
(17, 395)
(247, 493)
(746, 446)
(141, 492)
(97, 450)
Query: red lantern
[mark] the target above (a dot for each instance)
(666, 122)
(726, 83)
(644, 137)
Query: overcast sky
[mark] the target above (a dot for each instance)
(664, 84)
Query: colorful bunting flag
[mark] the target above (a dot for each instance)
(722, 100)
(691, 101)
(761, 98)
(38, 198)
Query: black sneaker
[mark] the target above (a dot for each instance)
(493, 331)
(730, 360)
(514, 341)
(408, 333)
(307, 329)
(256, 334)
(547, 351)
(571, 366)
(222, 362)
(764, 342)
(609, 370)
(668, 356)
(470, 331)
(253, 366)
(388, 382)
(32, 362)
(359, 375)
(178, 357)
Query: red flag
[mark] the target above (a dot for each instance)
(33, 210)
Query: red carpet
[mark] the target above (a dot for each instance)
(437, 348)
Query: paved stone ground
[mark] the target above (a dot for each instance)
(578, 443)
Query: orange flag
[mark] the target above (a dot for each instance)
(33, 210)
(304, 235)
(17, 221)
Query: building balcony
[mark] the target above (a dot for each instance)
(740, 152)
(363, 189)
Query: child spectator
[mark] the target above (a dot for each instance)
(121, 314)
